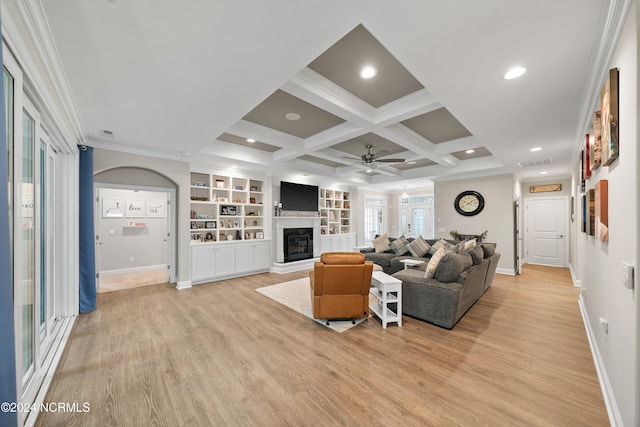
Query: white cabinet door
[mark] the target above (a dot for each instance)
(261, 258)
(252, 256)
(225, 260)
(244, 258)
(202, 266)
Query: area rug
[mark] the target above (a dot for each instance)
(295, 295)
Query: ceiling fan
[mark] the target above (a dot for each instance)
(370, 158)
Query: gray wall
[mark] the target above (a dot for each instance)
(131, 248)
(496, 217)
(176, 172)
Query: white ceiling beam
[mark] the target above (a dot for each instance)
(246, 129)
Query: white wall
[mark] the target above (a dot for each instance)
(496, 217)
(600, 262)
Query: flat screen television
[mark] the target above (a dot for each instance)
(298, 197)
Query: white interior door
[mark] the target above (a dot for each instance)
(546, 231)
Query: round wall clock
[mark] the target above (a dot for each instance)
(469, 203)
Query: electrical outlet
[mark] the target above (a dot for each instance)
(583, 292)
(132, 259)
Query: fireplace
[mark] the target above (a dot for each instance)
(298, 244)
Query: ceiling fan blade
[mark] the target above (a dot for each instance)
(389, 160)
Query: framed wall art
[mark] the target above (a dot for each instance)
(135, 208)
(602, 210)
(596, 141)
(610, 118)
(112, 208)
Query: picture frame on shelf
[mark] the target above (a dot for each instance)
(236, 224)
(230, 210)
(210, 224)
(259, 235)
(193, 225)
(219, 183)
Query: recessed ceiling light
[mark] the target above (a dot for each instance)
(514, 73)
(369, 171)
(251, 140)
(292, 116)
(470, 151)
(412, 162)
(534, 149)
(367, 72)
(544, 173)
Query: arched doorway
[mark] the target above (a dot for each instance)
(135, 225)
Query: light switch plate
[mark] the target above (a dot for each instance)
(627, 275)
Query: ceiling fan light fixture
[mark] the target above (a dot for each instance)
(368, 72)
(514, 73)
(251, 140)
(292, 116)
(470, 151)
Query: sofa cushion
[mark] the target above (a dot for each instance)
(419, 247)
(451, 265)
(399, 246)
(477, 254)
(381, 258)
(488, 249)
(430, 271)
(382, 243)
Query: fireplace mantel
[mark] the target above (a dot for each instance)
(282, 222)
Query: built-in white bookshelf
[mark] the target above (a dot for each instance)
(225, 208)
(335, 212)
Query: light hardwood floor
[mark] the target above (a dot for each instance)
(223, 354)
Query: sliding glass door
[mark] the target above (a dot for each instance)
(31, 178)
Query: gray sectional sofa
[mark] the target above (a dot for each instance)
(390, 262)
(459, 281)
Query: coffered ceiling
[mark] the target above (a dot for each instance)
(199, 81)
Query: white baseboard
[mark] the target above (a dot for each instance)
(507, 271)
(183, 285)
(146, 268)
(290, 267)
(576, 282)
(607, 392)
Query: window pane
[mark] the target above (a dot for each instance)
(25, 263)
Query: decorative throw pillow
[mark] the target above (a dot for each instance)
(451, 265)
(457, 249)
(382, 243)
(439, 244)
(418, 247)
(399, 245)
(488, 249)
(433, 263)
(477, 254)
(469, 243)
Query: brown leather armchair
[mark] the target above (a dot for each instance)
(340, 285)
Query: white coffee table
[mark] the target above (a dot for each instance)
(383, 288)
(410, 263)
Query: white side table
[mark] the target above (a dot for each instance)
(383, 288)
(409, 263)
